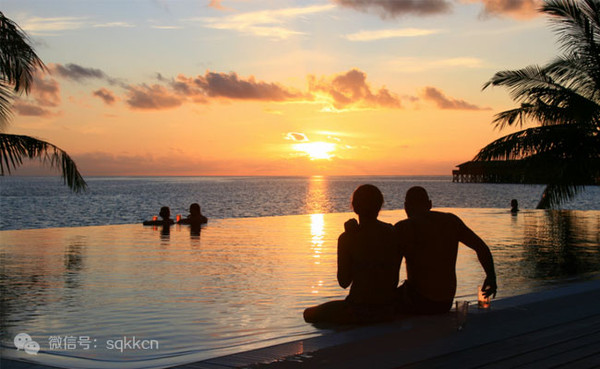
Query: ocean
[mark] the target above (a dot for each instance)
(79, 273)
(44, 202)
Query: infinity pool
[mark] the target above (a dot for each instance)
(129, 296)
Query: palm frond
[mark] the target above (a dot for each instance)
(15, 148)
(555, 194)
(5, 106)
(518, 81)
(555, 142)
(18, 60)
(564, 98)
(578, 25)
(573, 73)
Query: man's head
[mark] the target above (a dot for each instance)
(165, 212)
(367, 201)
(416, 201)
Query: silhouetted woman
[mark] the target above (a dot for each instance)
(368, 262)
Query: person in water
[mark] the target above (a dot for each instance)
(514, 206)
(165, 214)
(195, 218)
(368, 262)
(429, 242)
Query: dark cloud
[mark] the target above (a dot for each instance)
(395, 8)
(45, 91)
(516, 8)
(232, 87)
(350, 89)
(106, 95)
(44, 94)
(31, 110)
(445, 102)
(76, 72)
(186, 86)
(153, 97)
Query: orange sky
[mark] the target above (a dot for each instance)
(328, 87)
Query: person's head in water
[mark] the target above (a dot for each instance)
(165, 212)
(514, 205)
(367, 201)
(417, 201)
(195, 209)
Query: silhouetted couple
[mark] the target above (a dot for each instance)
(194, 219)
(370, 253)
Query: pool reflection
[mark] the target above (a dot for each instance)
(247, 284)
(562, 244)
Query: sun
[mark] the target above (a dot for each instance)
(316, 150)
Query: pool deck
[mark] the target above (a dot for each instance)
(558, 328)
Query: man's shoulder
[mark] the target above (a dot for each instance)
(427, 217)
(384, 225)
(442, 214)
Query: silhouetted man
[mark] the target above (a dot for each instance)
(429, 242)
(368, 261)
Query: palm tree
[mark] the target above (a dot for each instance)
(18, 64)
(564, 98)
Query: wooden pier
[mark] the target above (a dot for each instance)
(505, 171)
(526, 171)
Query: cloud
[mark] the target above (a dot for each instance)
(264, 23)
(444, 102)
(232, 87)
(395, 8)
(41, 26)
(46, 91)
(297, 137)
(80, 74)
(29, 109)
(107, 96)
(167, 27)
(389, 33)
(155, 97)
(171, 93)
(216, 4)
(410, 64)
(113, 25)
(515, 8)
(44, 94)
(350, 90)
(76, 72)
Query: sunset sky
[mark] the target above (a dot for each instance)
(273, 87)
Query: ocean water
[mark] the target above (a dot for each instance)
(44, 202)
(242, 283)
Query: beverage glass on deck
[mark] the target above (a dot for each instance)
(462, 308)
(178, 217)
(155, 218)
(483, 302)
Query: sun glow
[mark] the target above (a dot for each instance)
(316, 150)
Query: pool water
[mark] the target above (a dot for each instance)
(129, 296)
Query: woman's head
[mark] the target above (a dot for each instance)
(195, 209)
(367, 201)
